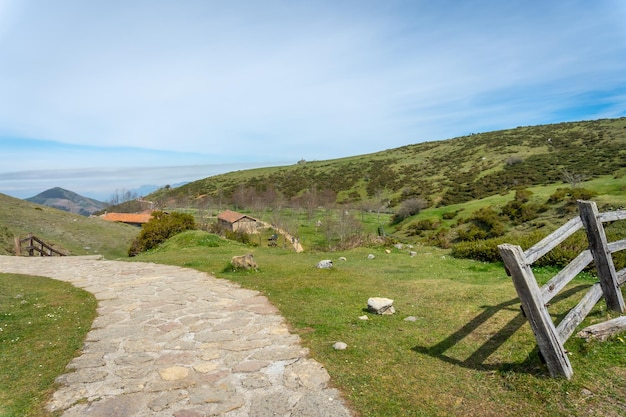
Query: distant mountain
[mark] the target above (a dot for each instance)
(66, 200)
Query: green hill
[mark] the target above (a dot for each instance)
(78, 235)
(442, 173)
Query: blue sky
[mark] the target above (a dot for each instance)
(98, 96)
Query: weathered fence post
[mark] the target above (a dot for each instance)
(535, 311)
(31, 245)
(18, 246)
(599, 248)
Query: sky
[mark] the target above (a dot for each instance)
(105, 95)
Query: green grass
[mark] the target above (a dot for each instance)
(43, 324)
(70, 233)
(469, 352)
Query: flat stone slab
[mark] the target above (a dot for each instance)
(172, 341)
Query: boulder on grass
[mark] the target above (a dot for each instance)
(325, 264)
(244, 262)
(380, 305)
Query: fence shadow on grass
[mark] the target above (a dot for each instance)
(532, 364)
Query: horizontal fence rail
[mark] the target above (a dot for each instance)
(535, 299)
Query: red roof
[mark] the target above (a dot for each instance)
(135, 218)
(231, 216)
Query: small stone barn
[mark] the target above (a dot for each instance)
(237, 222)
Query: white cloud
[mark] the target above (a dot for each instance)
(282, 80)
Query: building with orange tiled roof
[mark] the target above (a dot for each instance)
(134, 219)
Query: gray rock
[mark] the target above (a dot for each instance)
(380, 305)
(325, 264)
(244, 262)
(370, 256)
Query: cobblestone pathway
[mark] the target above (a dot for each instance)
(171, 341)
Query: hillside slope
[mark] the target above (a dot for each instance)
(78, 235)
(66, 200)
(443, 173)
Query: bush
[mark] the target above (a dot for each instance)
(571, 195)
(484, 224)
(409, 208)
(416, 228)
(487, 250)
(161, 226)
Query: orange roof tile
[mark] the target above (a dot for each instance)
(136, 218)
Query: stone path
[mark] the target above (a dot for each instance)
(171, 341)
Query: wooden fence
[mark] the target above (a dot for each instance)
(535, 299)
(34, 246)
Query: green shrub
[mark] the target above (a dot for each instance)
(161, 226)
(484, 224)
(449, 215)
(238, 236)
(571, 195)
(418, 227)
(520, 212)
(487, 250)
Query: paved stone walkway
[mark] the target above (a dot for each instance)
(171, 341)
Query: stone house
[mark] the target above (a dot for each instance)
(237, 222)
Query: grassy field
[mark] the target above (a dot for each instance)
(67, 232)
(469, 351)
(43, 323)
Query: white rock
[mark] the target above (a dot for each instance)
(363, 318)
(380, 305)
(340, 346)
(370, 256)
(325, 264)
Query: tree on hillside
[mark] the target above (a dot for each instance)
(409, 208)
(161, 227)
(121, 196)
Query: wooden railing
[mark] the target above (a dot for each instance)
(35, 247)
(535, 299)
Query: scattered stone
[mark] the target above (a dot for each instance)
(412, 253)
(398, 246)
(380, 305)
(174, 373)
(363, 318)
(342, 258)
(387, 251)
(244, 262)
(325, 264)
(340, 346)
(411, 318)
(370, 256)
(250, 366)
(305, 374)
(585, 392)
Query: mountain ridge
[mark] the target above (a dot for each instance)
(443, 172)
(67, 200)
